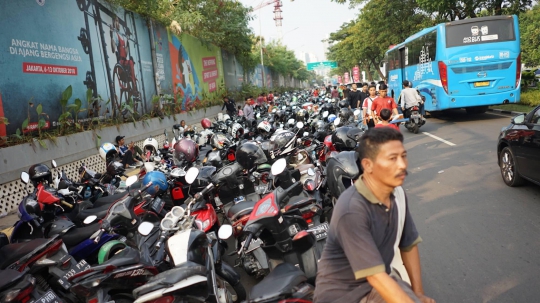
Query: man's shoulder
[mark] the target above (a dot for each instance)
(350, 201)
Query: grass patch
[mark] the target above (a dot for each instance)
(514, 107)
(530, 97)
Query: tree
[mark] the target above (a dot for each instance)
(530, 37)
(380, 24)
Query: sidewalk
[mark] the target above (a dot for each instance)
(7, 222)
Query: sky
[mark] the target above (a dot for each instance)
(305, 22)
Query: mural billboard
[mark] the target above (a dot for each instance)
(197, 69)
(51, 45)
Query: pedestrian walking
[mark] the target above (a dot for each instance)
(366, 106)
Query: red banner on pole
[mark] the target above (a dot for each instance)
(339, 79)
(346, 78)
(356, 74)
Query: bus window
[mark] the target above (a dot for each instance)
(484, 31)
(431, 45)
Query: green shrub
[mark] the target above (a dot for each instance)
(530, 97)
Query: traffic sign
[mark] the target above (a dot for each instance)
(323, 64)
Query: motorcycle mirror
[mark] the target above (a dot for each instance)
(279, 166)
(325, 114)
(53, 164)
(145, 228)
(337, 121)
(306, 134)
(357, 112)
(131, 180)
(90, 219)
(25, 177)
(311, 171)
(225, 231)
(191, 175)
(157, 159)
(300, 124)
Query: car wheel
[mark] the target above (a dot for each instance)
(509, 171)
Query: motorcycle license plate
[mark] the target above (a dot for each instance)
(321, 231)
(82, 265)
(48, 297)
(481, 84)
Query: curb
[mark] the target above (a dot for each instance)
(506, 112)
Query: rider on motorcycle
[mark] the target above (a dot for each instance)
(409, 98)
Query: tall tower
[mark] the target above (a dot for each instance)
(278, 18)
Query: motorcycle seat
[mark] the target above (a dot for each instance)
(280, 281)
(299, 201)
(127, 256)
(100, 212)
(8, 276)
(11, 253)
(170, 277)
(108, 200)
(76, 235)
(240, 209)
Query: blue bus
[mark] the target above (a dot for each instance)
(471, 64)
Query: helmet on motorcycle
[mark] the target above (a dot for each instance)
(282, 143)
(346, 138)
(301, 115)
(331, 118)
(328, 107)
(206, 123)
(249, 155)
(343, 103)
(345, 113)
(237, 130)
(107, 151)
(159, 182)
(265, 128)
(220, 141)
(341, 170)
(39, 173)
(151, 145)
(186, 149)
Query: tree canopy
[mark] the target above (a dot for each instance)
(381, 24)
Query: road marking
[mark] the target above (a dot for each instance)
(500, 115)
(438, 138)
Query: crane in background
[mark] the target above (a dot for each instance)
(278, 4)
(278, 18)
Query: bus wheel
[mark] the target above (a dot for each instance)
(476, 110)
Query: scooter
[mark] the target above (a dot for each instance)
(415, 120)
(198, 272)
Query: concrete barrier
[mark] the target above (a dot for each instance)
(71, 151)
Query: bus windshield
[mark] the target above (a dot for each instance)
(485, 31)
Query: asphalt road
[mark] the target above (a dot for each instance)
(480, 236)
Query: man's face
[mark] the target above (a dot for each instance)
(364, 88)
(121, 142)
(372, 91)
(382, 92)
(390, 165)
(183, 123)
(354, 86)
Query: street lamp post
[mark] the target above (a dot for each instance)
(261, 47)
